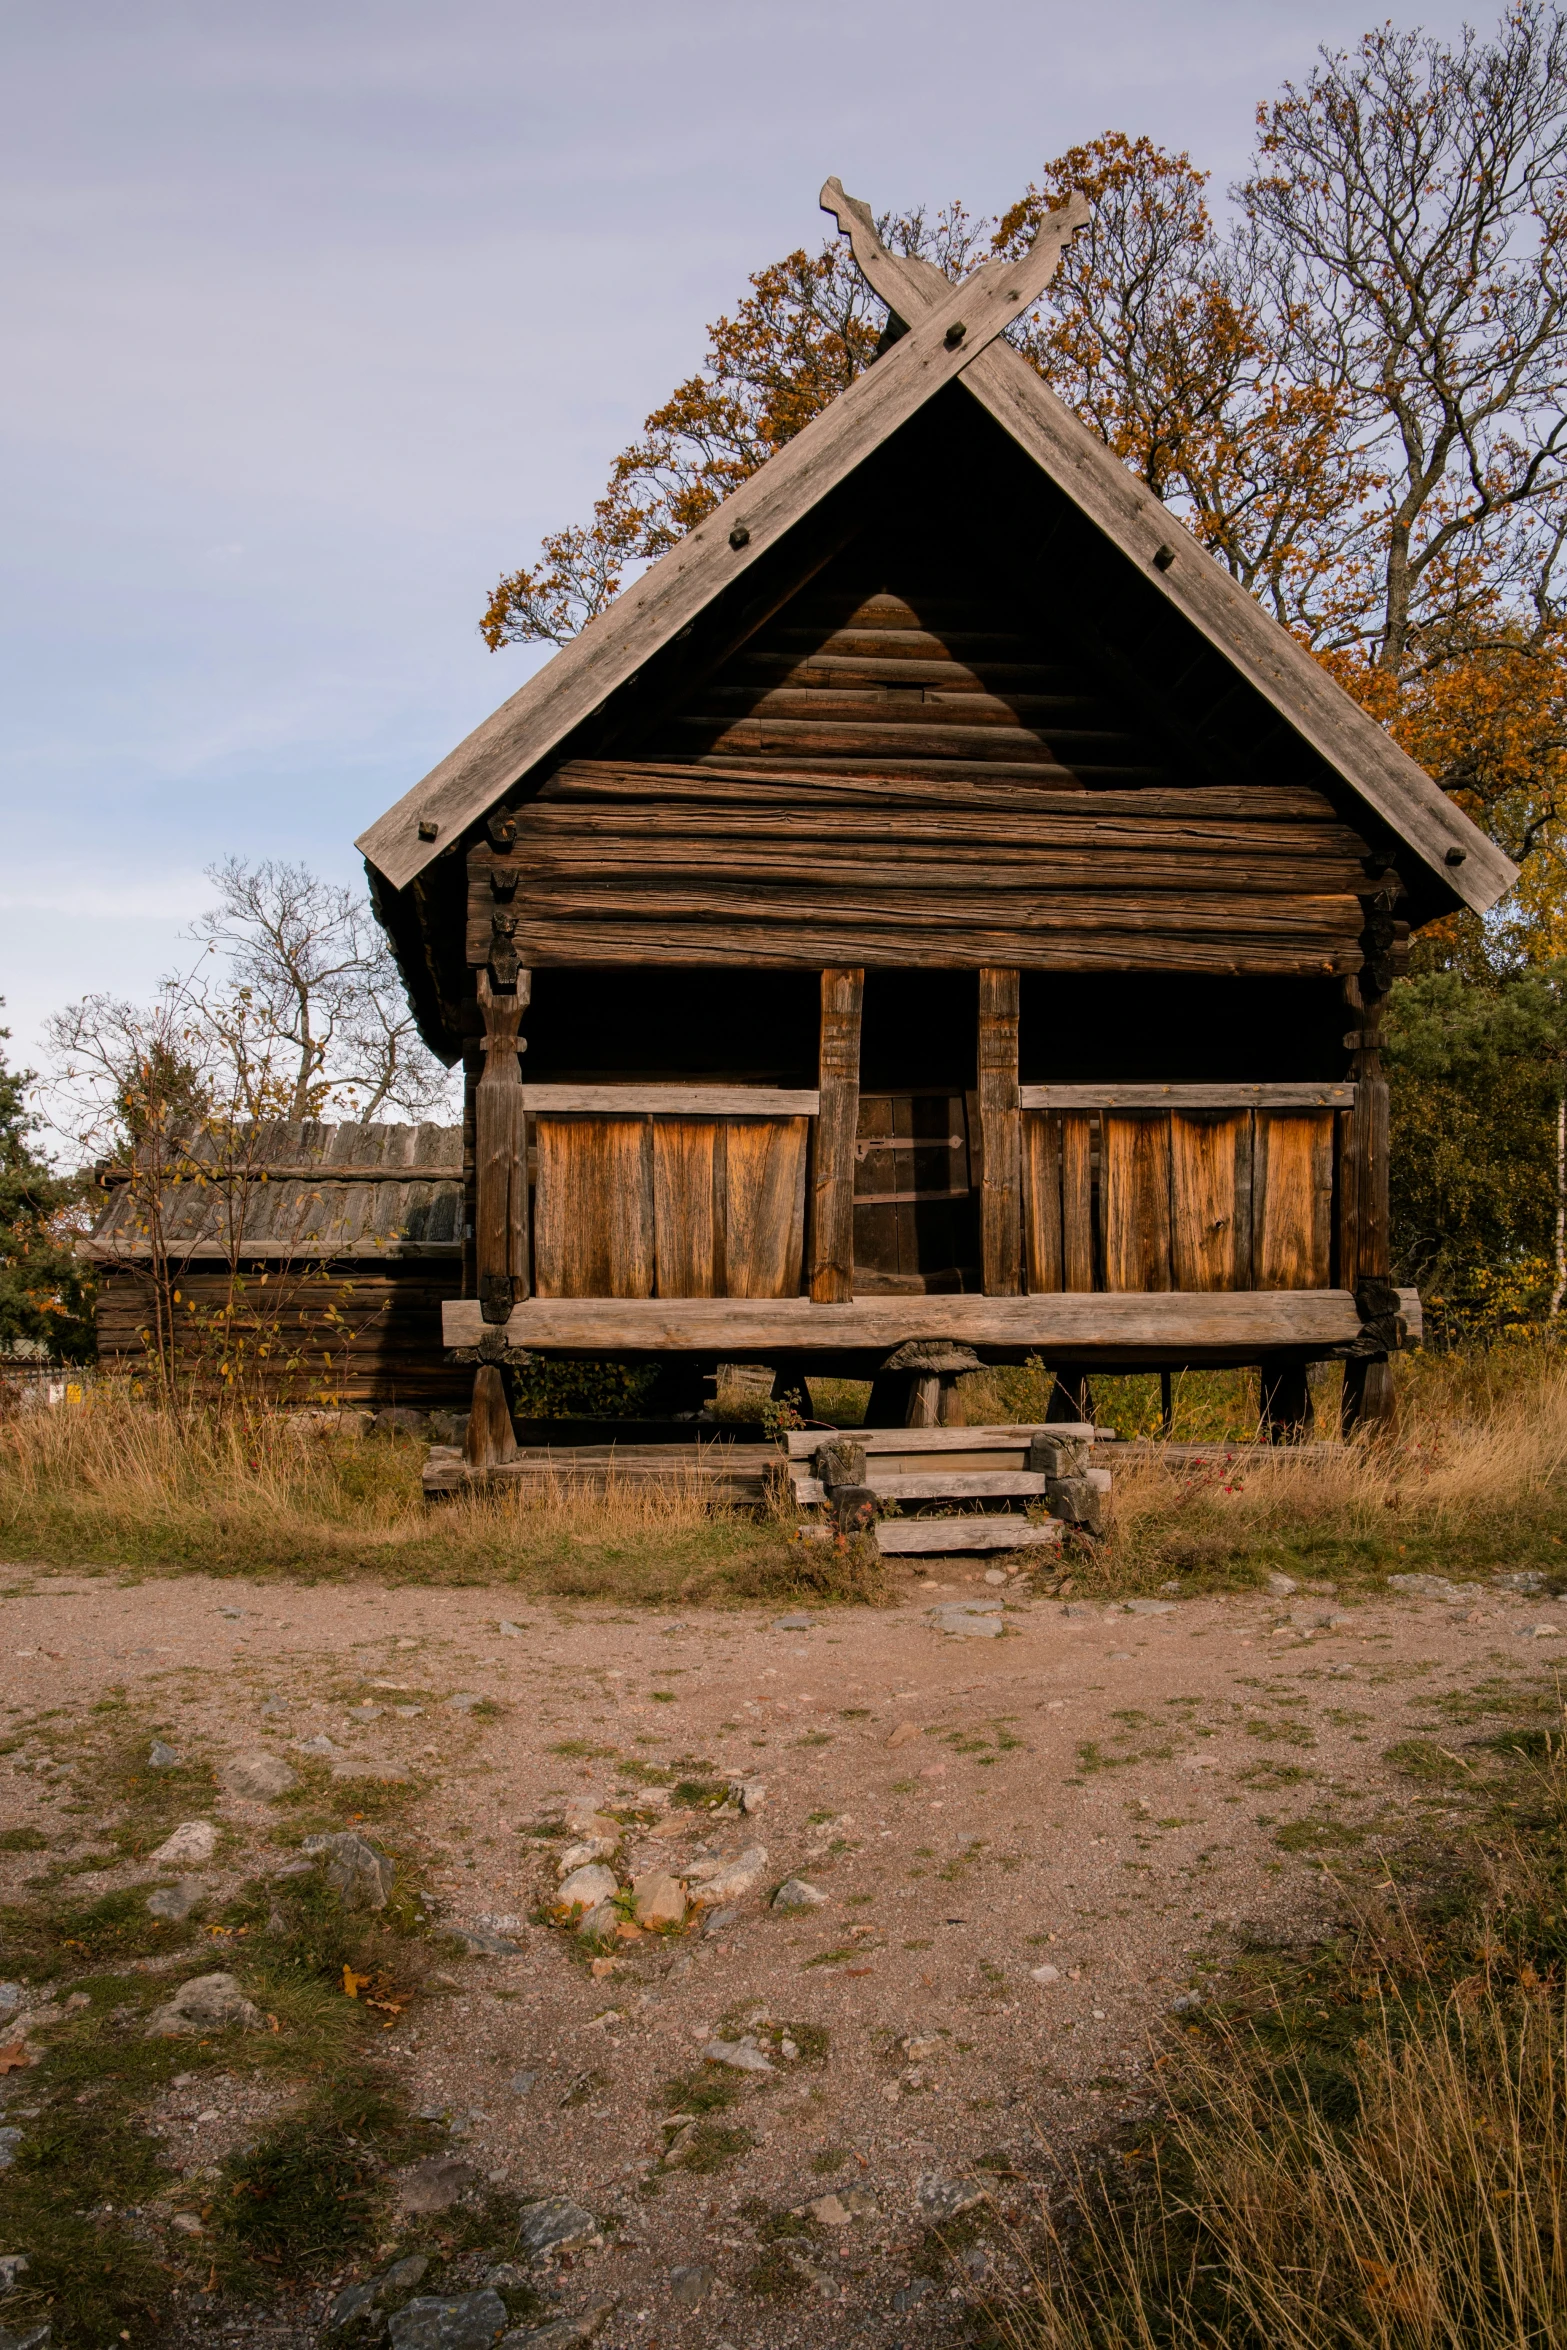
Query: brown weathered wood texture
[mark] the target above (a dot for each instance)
(669, 1207)
(491, 1440)
(1201, 1200)
(500, 1146)
(837, 1124)
(1365, 1249)
(1001, 1191)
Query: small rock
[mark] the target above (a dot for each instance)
(192, 1840)
(12, 2265)
(585, 1889)
(10, 2139)
(1079, 1607)
(995, 1575)
(505, 2277)
(508, 1630)
(904, 1734)
(1150, 1607)
(555, 2224)
(206, 2003)
(1282, 1586)
(560, 2333)
(658, 1899)
(1185, 2001)
(600, 1922)
(829, 2211)
(719, 1922)
(917, 2289)
(361, 1877)
(749, 1794)
(161, 1757)
(733, 1883)
(468, 2321)
(464, 1701)
(259, 1778)
(942, 2199)
(320, 1744)
(1045, 1974)
(795, 1893)
(483, 1941)
(741, 2056)
(581, 1819)
(1434, 1587)
(690, 2285)
(277, 1705)
(793, 1624)
(175, 1901)
(1525, 1579)
(590, 1848)
(27, 2337)
(402, 2277)
(436, 2183)
(364, 1713)
(350, 2305)
(521, 2083)
(10, 1997)
(969, 1619)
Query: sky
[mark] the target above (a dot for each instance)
(318, 316)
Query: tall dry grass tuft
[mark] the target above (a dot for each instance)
(1398, 2180)
(119, 1481)
(1474, 1476)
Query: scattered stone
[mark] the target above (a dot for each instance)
(436, 2183)
(586, 1849)
(365, 1766)
(403, 2275)
(1539, 1632)
(943, 2199)
(192, 1841)
(508, 1630)
(30, 2337)
(10, 1997)
(795, 1893)
(361, 1877)
(175, 1902)
(741, 2056)
(400, 1420)
(690, 2285)
(917, 2289)
(585, 1888)
(12, 2266)
(1185, 2001)
(830, 2211)
(600, 1922)
(505, 2277)
(969, 1619)
(720, 1921)
(465, 1701)
(1525, 1579)
(1045, 1974)
(1435, 1587)
(562, 2333)
(9, 2141)
(349, 2307)
(904, 1734)
(748, 1795)
(483, 1941)
(794, 1624)
(1150, 1607)
(734, 1882)
(1078, 1607)
(320, 1744)
(555, 2224)
(470, 2321)
(364, 1713)
(659, 1899)
(580, 1819)
(161, 1757)
(521, 2083)
(995, 1574)
(259, 1778)
(1282, 1586)
(277, 1705)
(206, 2003)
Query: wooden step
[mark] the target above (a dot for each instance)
(1012, 1436)
(933, 1537)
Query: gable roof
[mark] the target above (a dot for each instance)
(951, 334)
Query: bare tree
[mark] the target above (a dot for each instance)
(304, 971)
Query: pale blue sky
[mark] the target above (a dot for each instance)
(317, 316)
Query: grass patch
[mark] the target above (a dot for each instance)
(22, 1840)
(1365, 2140)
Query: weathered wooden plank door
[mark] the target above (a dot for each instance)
(1210, 1200)
(1042, 1259)
(1292, 1200)
(915, 1206)
(593, 1208)
(1134, 1189)
(670, 1206)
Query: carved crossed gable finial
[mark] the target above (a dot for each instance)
(896, 277)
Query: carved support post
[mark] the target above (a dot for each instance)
(837, 1124)
(501, 1202)
(1001, 1134)
(1365, 1233)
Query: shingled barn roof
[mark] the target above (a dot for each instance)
(308, 1191)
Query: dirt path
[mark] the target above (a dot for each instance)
(1118, 1796)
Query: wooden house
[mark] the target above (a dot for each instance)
(311, 1260)
(935, 915)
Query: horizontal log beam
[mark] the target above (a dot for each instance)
(1296, 1096)
(674, 1101)
(588, 782)
(1065, 1323)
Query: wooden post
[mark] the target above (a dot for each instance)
(1365, 1225)
(1286, 1408)
(1001, 1132)
(501, 1155)
(837, 1123)
(491, 1437)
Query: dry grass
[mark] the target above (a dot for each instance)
(1374, 2158)
(125, 1484)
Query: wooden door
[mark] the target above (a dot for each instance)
(669, 1206)
(916, 1226)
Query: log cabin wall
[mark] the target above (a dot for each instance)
(964, 759)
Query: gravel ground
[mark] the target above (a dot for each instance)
(1097, 1792)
